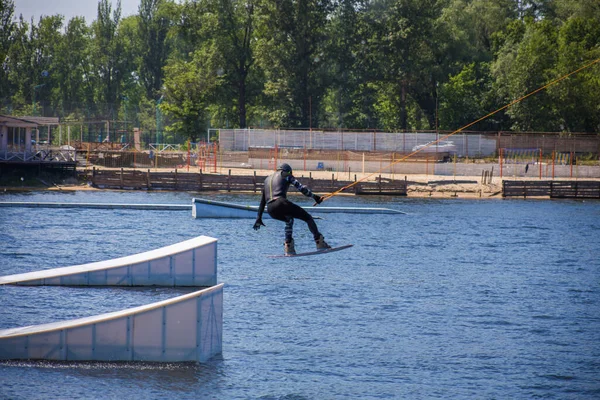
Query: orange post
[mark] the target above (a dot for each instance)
(305, 158)
(571, 162)
(215, 157)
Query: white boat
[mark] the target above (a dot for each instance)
(433, 147)
(203, 208)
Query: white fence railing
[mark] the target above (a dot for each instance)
(463, 144)
(57, 155)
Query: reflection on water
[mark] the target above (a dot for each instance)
(170, 377)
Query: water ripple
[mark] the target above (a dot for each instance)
(459, 299)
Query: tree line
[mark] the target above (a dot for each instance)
(342, 64)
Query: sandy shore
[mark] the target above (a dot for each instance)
(434, 186)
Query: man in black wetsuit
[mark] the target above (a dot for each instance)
(274, 196)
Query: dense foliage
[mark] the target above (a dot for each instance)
(350, 64)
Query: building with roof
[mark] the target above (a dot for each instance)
(19, 137)
(22, 148)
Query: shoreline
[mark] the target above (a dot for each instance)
(446, 191)
(418, 185)
(414, 190)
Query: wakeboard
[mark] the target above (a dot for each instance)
(314, 253)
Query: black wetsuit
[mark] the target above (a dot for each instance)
(274, 196)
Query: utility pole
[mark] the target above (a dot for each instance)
(158, 120)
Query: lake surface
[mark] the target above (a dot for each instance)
(456, 299)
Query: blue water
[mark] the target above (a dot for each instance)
(456, 299)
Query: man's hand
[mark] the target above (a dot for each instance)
(258, 223)
(318, 199)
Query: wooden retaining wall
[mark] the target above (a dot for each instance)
(553, 189)
(199, 182)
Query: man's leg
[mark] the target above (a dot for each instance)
(295, 211)
(289, 229)
(279, 210)
(300, 213)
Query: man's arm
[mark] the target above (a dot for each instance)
(304, 189)
(301, 188)
(261, 209)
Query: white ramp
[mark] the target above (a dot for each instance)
(189, 263)
(110, 206)
(185, 328)
(203, 208)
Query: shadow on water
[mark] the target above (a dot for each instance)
(173, 377)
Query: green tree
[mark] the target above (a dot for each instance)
(71, 59)
(155, 21)
(30, 66)
(132, 92)
(474, 24)
(46, 39)
(189, 90)
(587, 9)
(109, 60)
(410, 55)
(577, 99)
(17, 66)
(235, 34)
(523, 66)
(463, 97)
(290, 43)
(189, 30)
(534, 9)
(7, 26)
(347, 102)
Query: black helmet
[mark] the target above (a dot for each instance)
(285, 168)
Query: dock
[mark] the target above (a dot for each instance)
(202, 182)
(554, 189)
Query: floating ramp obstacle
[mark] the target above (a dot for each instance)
(108, 206)
(185, 328)
(189, 263)
(202, 208)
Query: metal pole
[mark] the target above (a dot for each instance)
(437, 134)
(540, 162)
(158, 120)
(500, 162)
